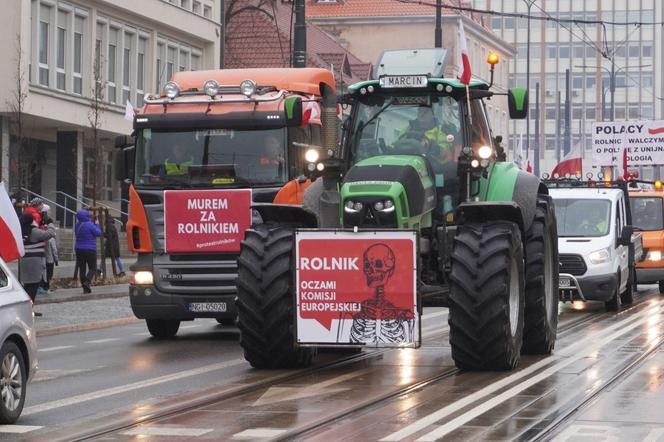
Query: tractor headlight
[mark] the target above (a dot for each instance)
(211, 88)
(654, 255)
(474, 164)
(143, 277)
(599, 256)
(248, 88)
(485, 152)
(384, 206)
(171, 89)
(311, 155)
(350, 206)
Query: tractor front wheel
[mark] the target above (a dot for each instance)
(541, 315)
(265, 299)
(486, 304)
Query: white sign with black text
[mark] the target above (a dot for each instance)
(644, 141)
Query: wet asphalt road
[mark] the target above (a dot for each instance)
(605, 378)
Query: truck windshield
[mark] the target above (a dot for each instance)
(582, 217)
(647, 213)
(212, 157)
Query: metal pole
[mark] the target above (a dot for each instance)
(222, 32)
(536, 167)
(559, 126)
(530, 4)
(300, 36)
(603, 101)
(439, 29)
(568, 113)
(613, 89)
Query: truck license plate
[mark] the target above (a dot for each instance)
(207, 307)
(564, 282)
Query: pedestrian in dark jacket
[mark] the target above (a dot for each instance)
(86, 248)
(112, 244)
(51, 250)
(32, 268)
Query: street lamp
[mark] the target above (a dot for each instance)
(528, 3)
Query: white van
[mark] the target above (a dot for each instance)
(595, 239)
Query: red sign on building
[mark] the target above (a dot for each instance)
(199, 221)
(357, 288)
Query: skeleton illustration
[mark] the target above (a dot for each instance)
(380, 321)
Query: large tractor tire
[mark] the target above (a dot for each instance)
(487, 296)
(265, 299)
(541, 312)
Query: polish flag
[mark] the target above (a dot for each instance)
(465, 60)
(311, 111)
(572, 163)
(11, 241)
(529, 168)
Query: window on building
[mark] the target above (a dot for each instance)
(186, 4)
(140, 70)
(183, 61)
(550, 112)
(591, 52)
(620, 112)
(590, 112)
(196, 7)
(43, 48)
(620, 51)
(127, 66)
(646, 111)
(577, 81)
(161, 65)
(60, 76)
(579, 51)
(496, 23)
(634, 50)
(112, 65)
(590, 81)
(207, 11)
(577, 111)
(195, 62)
(646, 79)
(509, 23)
(78, 54)
(647, 50)
(170, 63)
(551, 51)
(564, 52)
(550, 142)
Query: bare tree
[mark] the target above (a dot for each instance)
(95, 118)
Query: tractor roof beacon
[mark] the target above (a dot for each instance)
(415, 154)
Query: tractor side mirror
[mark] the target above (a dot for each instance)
(626, 236)
(122, 141)
(119, 165)
(517, 101)
(293, 111)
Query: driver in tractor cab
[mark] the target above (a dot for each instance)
(432, 134)
(271, 161)
(179, 164)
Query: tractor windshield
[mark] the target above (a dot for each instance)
(211, 157)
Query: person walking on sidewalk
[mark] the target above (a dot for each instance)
(112, 245)
(32, 267)
(86, 248)
(51, 249)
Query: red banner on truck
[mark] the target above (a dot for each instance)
(357, 288)
(203, 221)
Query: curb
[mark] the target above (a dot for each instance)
(81, 297)
(87, 326)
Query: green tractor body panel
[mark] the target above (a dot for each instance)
(402, 181)
(501, 182)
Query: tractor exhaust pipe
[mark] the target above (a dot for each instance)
(329, 120)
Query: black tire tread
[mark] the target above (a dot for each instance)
(479, 293)
(265, 299)
(163, 328)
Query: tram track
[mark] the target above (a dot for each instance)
(104, 427)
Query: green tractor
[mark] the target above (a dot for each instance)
(417, 154)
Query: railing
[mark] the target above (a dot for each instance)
(83, 199)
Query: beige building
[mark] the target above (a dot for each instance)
(368, 27)
(137, 46)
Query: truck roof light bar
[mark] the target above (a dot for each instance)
(150, 100)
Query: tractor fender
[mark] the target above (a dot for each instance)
(286, 214)
(508, 183)
(482, 211)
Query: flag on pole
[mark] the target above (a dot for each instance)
(129, 112)
(571, 163)
(518, 154)
(11, 240)
(626, 174)
(465, 60)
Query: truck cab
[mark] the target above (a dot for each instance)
(648, 216)
(596, 244)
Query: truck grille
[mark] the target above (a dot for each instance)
(201, 278)
(572, 264)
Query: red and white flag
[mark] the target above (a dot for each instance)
(571, 163)
(465, 60)
(11, 241)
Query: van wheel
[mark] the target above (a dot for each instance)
(163, 328)
(628, 296)
(613, 304)
(661, 288)
(12, 383)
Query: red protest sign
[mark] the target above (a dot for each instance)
(206, 220)
(356, 288)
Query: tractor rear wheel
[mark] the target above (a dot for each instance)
(265, 299)
(487, 296)
(541, 313)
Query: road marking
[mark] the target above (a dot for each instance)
(101, 341)
(86, 397)
(570, 351)
(258, 433)
(279, 394)
(62, 347)
(18, 429)
(184, 327)
(47, 375)
(159, 430)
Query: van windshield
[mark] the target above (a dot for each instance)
(582, 217)
(647, 213)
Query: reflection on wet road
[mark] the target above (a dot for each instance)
(603, 381)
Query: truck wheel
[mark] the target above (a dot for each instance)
(613, 304)
(227, 321)
(487, 296)
(13, 379)
(265, 299)
(163, 328)
(541, 311)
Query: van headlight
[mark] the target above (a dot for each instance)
(599, 256)
(143, 277)
(654, 255)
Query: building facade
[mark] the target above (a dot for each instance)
(368, 27)
(588, 51)
(58, 53)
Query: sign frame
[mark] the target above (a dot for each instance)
(349, 234)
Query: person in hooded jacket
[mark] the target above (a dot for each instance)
(34, 209)
(86, 248)
(32, 267)
(51, 250)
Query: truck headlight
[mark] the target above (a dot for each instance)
(171, 89)
(654, 255)
(143, 277)
(599, 256)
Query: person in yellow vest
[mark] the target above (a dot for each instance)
(595, 220)
(271, 160)
(437, 139)
(179, 164)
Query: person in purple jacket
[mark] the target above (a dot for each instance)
(86, 248)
